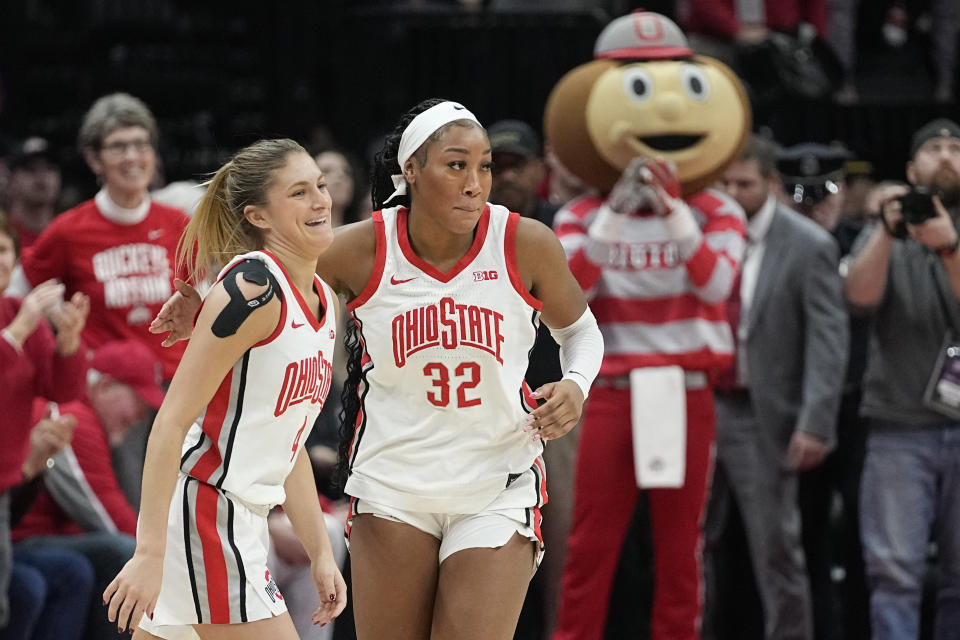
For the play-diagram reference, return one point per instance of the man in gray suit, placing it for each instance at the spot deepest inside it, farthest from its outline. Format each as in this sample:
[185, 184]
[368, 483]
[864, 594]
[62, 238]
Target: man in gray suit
[777, 407]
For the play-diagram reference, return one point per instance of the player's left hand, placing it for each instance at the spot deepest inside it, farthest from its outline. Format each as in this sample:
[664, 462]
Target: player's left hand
[805, 451]
[561, 411]
[331, 588]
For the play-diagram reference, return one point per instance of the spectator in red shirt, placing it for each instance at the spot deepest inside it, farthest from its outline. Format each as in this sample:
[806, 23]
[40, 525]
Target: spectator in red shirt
[82, 507]
[48, 592]
[119, 247]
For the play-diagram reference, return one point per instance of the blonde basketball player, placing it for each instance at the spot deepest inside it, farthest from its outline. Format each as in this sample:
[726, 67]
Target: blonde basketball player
[442, 444]
[227, 443]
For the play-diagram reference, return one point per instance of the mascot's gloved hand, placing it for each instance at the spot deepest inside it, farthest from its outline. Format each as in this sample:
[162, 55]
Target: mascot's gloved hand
[630, 193]
[681, 224]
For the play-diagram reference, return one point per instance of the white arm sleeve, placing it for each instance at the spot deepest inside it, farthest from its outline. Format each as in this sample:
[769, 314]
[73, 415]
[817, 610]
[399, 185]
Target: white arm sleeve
[581, 350]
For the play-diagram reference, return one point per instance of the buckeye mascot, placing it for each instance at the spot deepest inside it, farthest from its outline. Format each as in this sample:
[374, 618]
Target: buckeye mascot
[650, 125]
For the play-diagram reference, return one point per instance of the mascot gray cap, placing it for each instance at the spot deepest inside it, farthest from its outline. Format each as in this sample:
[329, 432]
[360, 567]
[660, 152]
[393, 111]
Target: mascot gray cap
[642, 35]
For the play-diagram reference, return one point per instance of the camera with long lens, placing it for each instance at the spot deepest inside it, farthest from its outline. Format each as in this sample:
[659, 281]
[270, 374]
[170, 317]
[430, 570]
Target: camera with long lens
[916, 207]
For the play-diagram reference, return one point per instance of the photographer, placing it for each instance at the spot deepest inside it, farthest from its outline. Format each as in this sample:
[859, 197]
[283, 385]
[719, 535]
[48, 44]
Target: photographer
[905, 271]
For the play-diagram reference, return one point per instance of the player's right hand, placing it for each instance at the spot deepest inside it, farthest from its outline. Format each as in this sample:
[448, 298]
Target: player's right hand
[176, 314]
[134, 591]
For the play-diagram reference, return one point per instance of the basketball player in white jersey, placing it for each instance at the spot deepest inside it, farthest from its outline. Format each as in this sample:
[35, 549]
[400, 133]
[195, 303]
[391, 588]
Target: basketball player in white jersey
[227, 443]
[442, 444]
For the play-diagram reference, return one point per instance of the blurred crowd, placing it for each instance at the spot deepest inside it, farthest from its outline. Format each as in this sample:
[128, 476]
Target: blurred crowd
[859, 515]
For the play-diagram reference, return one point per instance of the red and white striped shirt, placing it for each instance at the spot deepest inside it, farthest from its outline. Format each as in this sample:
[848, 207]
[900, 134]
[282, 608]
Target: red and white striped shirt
[655, 306]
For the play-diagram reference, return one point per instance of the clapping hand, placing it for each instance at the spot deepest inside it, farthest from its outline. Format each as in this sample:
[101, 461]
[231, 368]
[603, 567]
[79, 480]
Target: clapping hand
[68, 319]
[661, 178]
[631, 192]
[47, 438]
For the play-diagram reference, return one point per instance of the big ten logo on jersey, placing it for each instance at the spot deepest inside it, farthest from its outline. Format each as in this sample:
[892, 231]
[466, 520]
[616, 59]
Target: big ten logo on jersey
[307, 379]
[447, 325]
[639, 256]
[480, 276]
[133, 274]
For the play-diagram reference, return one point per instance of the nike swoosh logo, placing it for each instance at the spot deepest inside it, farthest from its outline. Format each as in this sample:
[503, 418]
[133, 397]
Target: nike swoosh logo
[459, 108]
[293, 324]
[154, 234]
[393, 280]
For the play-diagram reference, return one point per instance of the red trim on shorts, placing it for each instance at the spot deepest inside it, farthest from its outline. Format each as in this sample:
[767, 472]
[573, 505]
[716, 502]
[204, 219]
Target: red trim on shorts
[214, 563]
[404, 241]
[380, 261]
[510, 251]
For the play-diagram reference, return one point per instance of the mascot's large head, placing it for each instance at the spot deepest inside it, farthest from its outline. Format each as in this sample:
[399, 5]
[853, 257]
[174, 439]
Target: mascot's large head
[647, 94]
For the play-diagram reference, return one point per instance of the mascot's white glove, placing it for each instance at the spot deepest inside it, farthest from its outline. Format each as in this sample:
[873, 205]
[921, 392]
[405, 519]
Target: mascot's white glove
[681, 224]
[629, 194]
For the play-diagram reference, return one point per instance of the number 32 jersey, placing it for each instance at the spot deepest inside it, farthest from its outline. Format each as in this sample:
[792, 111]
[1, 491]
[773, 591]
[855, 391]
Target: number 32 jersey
[247, 438]
[443, 408]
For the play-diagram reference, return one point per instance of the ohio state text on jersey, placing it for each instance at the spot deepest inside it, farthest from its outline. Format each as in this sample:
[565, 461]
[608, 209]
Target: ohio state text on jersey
[441, 423]
[247, 439]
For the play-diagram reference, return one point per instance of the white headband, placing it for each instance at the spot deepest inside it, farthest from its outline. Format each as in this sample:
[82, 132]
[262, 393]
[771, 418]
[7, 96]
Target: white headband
[417, 132]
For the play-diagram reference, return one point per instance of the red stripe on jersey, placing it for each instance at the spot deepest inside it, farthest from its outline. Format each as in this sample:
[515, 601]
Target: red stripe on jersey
[721, 223]
[583, 206]
[212, 425]
[569, 229]
[379, 262]
[701, 264]
[510, 249]
[699, 360]
[214, 563]
[404, 241]
[307, 311]
[686, 306]
[584, 271]
[707, 200]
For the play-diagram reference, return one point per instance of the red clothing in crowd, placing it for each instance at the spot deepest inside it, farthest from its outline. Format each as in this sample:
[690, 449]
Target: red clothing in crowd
[92, 469]
[719, 17]
[126, 270]
[35, 371]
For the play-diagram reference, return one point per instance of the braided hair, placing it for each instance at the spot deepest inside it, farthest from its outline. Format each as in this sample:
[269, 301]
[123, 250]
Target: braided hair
[381, 186]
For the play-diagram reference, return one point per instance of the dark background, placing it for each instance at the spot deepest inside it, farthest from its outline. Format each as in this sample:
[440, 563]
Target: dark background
[219, 74]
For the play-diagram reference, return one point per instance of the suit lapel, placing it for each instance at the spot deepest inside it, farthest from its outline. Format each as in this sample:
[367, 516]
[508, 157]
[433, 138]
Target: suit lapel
[775, 256]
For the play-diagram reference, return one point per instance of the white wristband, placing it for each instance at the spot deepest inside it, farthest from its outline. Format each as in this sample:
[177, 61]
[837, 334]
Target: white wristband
[606, 224]
[581, 350]
[683, 228]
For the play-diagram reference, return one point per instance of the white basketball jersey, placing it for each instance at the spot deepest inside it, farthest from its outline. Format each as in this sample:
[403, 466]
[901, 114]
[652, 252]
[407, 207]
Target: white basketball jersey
[248, 437]
[443, 404]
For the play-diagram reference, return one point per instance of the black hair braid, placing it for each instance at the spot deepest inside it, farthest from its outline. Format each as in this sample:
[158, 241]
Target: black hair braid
[350, 402]
[385, 160]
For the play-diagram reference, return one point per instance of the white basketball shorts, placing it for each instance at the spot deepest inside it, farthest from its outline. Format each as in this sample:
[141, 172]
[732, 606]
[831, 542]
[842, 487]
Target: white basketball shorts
[515, 510]
[215, 565]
